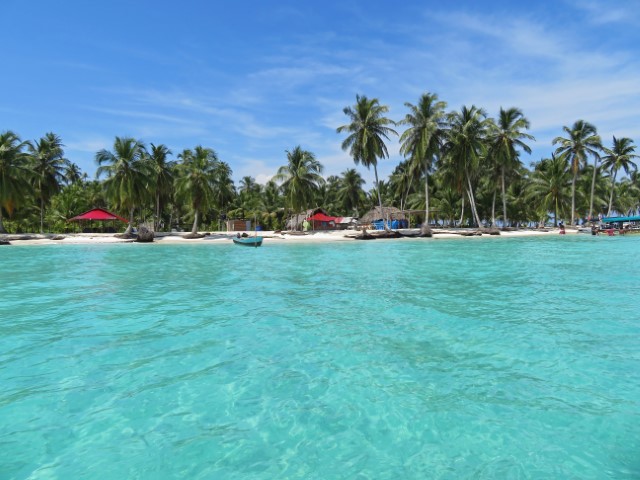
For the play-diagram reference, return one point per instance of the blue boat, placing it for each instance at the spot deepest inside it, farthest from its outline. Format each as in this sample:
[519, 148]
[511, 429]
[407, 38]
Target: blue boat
[248, 241]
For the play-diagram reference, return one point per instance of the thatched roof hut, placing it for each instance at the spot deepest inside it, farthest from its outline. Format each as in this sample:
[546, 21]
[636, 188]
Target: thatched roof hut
[387, 213]
[295, 221]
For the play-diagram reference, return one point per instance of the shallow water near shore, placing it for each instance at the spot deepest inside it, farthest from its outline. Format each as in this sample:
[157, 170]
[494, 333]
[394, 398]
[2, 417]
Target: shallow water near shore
[465, 358]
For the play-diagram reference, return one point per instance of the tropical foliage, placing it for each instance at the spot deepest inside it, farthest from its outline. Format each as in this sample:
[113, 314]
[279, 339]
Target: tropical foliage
[456, 166]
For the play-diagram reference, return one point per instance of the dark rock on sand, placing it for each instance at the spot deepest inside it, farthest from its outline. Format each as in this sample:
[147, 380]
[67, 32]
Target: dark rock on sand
[191, 236]
[145, 235]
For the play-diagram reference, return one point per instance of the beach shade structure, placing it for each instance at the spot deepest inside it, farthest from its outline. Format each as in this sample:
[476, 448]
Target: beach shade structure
[322, 221]
[98, 215]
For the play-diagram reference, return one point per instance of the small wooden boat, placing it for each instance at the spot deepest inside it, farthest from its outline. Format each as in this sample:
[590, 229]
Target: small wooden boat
[248, 241]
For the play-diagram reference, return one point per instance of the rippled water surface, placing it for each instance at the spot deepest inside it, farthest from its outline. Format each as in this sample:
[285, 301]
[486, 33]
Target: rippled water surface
[470, 358]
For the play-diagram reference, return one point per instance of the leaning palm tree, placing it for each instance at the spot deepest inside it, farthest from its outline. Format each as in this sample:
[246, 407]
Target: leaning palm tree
[126, 173]
[301, 177]
[49, 167]
[581, 141]
[196, 180]
[465, 147]
[505, 139]
[620, 156]
[14, 173]
[423, 140]
[161, 177]
[367, 131]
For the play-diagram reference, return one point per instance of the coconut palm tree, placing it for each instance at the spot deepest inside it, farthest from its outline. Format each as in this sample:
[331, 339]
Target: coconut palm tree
[73, 174]
[620, 156]
[127, 174]
[49, 167]
[581, 141]
[197, 179]
[351, 195]
[505, 139]
[300, 177]
[423, 140]
[549, 185]
[465, 147]
[368, 128]
[14, 173]
[161, 176]
[224, 189]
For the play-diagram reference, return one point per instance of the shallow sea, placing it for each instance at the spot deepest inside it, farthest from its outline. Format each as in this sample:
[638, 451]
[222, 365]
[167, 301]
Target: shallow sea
[412, 359]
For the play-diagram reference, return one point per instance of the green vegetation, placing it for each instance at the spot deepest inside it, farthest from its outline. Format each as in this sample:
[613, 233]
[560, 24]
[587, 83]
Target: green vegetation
[451, 160]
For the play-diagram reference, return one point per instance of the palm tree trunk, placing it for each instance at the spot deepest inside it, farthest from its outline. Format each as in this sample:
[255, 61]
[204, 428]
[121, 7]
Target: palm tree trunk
[593, 186]
[493, 208]
[472, 201]
[156, 224]
[613, 186]
[573, 198]
[194, 228]
[426, 196]
[504, 199]
[462, 210]
[2, 229]
[41, 214]
[130, 226]
[375, 171]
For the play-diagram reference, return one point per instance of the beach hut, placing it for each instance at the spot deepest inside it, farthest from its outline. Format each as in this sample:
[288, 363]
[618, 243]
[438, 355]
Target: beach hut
[97, 215]
[376, 218]
[321, 221]
[343, 223]
[296, 221]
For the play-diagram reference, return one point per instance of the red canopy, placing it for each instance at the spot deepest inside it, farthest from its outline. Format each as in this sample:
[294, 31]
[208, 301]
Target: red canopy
[98, 214]
[321, 217]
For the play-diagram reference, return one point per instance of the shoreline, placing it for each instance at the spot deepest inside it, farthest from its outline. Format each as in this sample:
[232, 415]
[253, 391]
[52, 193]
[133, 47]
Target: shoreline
[269, 236]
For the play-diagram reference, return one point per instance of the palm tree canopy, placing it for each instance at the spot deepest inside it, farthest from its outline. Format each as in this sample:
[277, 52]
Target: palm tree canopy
[125, 170]
[300, 178]
[581, 141]
[465, 142]
[197, 179]
[48, 164]
[367, 131]
[14, 171]
[507, 136]
[421, 142]
[620, 156]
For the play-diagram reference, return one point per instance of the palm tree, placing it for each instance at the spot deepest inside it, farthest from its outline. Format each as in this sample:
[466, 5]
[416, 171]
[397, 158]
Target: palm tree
[581, 141]
[423, 140]
[161, 177]
[618, 157]
[49, 167]
[300, 178]
[14, 173]
[73, 174]
[367, 131]
[196, 182]
[126, 172]
[350, 193]
[465, 147]
[549, 185]
[505, 139]
[224, 189]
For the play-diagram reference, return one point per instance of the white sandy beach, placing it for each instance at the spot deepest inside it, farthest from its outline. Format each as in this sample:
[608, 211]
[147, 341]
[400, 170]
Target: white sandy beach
[269, 236]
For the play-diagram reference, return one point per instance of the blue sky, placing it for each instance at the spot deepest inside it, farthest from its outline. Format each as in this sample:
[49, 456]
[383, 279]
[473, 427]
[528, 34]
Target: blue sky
[252, 79]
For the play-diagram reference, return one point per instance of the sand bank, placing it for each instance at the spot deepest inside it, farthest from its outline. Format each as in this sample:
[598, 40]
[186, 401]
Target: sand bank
[269, 237]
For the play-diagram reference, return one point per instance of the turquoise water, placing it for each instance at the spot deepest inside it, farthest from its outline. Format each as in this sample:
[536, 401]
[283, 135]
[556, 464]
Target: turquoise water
[469, 358]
